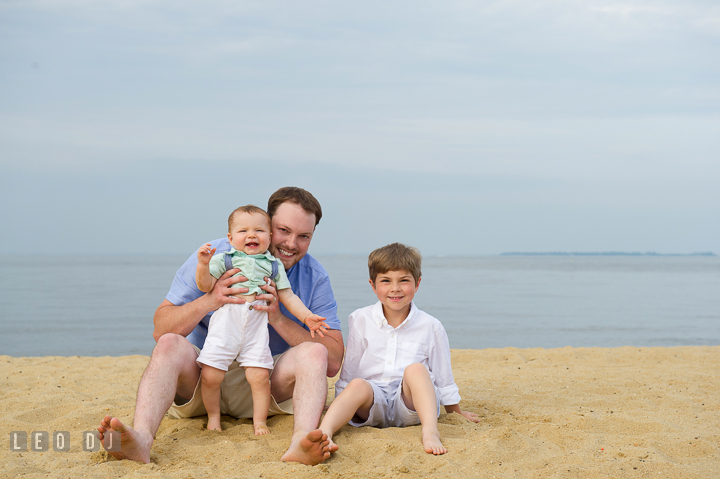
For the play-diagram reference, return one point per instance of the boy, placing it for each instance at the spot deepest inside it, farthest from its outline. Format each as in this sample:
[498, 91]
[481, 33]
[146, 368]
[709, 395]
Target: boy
[397, 368]
[239, 331]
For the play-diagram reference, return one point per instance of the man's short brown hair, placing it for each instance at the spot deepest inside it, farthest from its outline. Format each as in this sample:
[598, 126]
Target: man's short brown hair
[249, 209]
[395, 257]
[300, 197]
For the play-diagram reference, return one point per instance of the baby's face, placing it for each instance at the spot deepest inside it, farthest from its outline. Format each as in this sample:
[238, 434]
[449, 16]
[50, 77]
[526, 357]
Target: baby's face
[250, 233]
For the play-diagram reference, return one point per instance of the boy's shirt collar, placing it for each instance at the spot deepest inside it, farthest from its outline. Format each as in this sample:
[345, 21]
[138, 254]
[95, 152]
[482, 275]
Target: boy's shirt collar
[266, 254]
[380, 320]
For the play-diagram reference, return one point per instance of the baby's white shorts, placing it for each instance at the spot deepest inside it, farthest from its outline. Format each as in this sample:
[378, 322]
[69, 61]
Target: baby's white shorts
[237, 331]
[389, 409]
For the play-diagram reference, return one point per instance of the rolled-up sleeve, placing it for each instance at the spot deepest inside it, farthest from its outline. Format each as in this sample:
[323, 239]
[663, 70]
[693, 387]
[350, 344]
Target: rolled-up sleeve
[440, 366]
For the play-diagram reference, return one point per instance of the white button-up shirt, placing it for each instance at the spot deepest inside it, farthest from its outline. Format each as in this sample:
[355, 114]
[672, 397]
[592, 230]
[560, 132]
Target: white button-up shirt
[376, 351]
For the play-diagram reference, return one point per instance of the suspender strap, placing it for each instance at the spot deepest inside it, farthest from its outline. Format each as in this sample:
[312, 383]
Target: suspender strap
[274, 269]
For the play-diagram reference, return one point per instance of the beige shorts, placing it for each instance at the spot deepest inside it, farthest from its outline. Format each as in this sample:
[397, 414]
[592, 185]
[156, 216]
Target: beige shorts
[235, 397]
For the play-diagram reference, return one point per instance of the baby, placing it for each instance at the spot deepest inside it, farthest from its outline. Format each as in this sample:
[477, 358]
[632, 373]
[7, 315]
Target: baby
[240, 331]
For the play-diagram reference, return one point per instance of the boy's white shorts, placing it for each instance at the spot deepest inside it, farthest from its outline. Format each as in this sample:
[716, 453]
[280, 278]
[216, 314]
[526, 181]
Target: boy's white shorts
[237, 332]
[389, 409]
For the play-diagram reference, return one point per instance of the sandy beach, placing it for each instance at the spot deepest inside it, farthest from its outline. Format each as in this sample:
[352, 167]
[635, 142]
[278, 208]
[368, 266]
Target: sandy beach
[566, 413]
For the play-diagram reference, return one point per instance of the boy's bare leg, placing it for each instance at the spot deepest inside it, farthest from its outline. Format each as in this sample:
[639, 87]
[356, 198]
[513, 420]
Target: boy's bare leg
[418, 393]
[356, 399]
[259, 381]
[300, 374]
[172, 369]
[211, 380]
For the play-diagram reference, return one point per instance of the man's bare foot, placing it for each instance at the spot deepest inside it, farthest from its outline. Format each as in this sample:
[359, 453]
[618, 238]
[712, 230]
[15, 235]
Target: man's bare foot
[134, 445]
[311, 448]
[261, 428]
[432, 444]
[214, 424]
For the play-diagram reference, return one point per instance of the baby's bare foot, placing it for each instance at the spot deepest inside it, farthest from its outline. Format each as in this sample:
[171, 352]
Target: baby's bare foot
[432, 444]
[261, 429]
[214, 424]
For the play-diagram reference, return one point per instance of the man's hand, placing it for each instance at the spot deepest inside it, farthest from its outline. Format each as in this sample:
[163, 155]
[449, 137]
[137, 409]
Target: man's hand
[205, 253]
[271, 297]
[222, 293]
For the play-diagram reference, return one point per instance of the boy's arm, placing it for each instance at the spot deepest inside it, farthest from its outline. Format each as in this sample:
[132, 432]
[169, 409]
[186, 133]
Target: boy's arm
[204, 280]
[298, 309]
[470, 416]
[353, 354]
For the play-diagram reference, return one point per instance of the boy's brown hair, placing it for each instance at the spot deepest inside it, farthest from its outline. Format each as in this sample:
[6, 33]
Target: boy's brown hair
[298, 196]
[395, 257]
[249, 209]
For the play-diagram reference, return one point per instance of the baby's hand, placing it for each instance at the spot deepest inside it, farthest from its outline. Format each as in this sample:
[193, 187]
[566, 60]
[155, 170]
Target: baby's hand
[316, 324]
[205, 253]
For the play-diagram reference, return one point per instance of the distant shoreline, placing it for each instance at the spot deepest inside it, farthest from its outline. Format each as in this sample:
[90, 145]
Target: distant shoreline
[605, 253]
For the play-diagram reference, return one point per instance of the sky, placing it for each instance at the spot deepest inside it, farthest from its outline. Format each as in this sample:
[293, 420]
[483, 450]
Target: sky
[462, 128]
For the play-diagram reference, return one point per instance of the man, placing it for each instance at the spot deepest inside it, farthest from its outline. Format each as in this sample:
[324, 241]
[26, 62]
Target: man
[298, 381]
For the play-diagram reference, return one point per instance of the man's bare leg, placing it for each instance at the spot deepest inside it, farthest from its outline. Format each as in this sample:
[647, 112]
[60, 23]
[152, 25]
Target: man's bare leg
[300, 374]
[259, 381]
[172, 369]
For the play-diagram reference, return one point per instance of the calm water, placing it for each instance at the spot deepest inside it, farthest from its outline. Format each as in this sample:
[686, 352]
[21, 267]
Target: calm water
[103, 305]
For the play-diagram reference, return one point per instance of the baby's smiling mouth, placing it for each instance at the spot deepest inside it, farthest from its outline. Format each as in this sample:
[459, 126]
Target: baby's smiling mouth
[252, 245]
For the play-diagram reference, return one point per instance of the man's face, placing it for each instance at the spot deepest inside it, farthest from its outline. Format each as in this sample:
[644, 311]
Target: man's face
[292, 229]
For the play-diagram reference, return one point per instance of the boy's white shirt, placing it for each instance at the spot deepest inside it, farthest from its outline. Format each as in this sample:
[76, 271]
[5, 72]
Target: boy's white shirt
[376, 351]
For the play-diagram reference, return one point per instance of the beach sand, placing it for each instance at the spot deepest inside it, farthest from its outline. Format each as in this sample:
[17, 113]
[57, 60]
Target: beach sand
[557, 413]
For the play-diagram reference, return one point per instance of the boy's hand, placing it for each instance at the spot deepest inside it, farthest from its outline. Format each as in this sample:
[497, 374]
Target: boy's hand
[316, 324]
[205, 253]
[470, 416]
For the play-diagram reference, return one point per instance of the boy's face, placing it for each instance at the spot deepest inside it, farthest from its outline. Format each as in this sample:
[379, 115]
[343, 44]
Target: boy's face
[250, 233]
[395, 289]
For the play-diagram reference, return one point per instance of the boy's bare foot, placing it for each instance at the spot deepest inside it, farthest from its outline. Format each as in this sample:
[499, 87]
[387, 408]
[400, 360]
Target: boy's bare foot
[332, 447]
[261, 428]
[134, 445]
[311, 448]
[214, 424]
[432, 444]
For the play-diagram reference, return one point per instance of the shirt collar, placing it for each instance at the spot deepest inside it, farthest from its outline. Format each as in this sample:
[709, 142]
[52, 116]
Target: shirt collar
[380, 320]
[266, 254]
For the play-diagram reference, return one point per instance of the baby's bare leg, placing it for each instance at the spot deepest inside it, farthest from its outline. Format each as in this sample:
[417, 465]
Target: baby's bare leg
[418, 393]
[211, 380]
[356, 398]
[259, 381]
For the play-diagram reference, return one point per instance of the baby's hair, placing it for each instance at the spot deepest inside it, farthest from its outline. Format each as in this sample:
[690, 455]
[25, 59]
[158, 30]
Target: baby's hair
[395, 257]
[249, 209]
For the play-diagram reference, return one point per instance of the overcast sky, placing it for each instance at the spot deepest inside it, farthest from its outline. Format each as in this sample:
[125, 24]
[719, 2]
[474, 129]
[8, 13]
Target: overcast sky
[458, 127]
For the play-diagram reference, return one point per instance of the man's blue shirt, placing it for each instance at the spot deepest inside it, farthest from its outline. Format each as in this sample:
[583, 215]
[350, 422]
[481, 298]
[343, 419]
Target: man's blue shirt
[308, 279]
